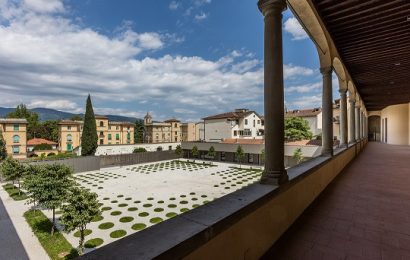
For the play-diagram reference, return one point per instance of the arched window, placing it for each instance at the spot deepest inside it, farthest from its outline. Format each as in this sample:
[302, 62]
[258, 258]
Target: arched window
[101, 123]
[69, 138]
[16, 139]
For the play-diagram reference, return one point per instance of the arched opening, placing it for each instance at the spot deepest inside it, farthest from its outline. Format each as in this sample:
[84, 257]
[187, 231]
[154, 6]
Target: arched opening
[374, 128]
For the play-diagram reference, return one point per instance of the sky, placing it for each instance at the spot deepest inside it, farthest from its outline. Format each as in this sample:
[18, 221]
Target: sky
[173, 58]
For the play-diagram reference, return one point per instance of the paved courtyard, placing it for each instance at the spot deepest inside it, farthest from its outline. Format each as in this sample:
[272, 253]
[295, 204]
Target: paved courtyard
[138, 196]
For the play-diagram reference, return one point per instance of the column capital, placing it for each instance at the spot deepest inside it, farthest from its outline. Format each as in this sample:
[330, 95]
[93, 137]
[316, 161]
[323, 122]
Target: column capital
[269, 6]
[343, 92]
[352, 99]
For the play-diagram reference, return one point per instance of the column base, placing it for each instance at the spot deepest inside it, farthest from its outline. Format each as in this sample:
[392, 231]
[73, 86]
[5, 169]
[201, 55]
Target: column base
[274, 178]
[327, 152]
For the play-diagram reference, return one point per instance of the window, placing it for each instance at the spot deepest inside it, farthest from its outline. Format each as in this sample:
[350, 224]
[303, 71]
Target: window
[69, 128]
[254, 122]
[259, 122]
[117, 136]
[69, 138]
[235, 133]
[175, 125]
[16, 127]
[170, 147]
[128, 136]
[16, 149]
[101, 141]
[247, 132]
[101, 134]
[246, 121]
[101, 123]
[176, 133]
[117, 127]
[69, 147]
[16, 139]
[109, 127]
[109, 136]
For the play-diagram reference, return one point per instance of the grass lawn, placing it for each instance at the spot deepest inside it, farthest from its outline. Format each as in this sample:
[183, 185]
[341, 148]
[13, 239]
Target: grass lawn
[13, 191]
[56, 246]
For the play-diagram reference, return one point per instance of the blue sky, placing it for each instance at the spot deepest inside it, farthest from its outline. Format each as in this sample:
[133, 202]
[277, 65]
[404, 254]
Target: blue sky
[185, 59]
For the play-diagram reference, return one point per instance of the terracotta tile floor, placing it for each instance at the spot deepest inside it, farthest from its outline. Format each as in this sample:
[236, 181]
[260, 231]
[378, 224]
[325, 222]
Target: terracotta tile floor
[363, 214]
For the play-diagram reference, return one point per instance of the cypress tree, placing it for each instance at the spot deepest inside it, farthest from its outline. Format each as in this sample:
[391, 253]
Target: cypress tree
[89, 139]
[3, 151]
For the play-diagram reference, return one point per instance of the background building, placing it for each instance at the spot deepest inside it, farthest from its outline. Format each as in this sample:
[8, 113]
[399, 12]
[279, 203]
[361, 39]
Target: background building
[15, 135]
[35, 142]
[169, 131]
[69, 133]
[242, 123]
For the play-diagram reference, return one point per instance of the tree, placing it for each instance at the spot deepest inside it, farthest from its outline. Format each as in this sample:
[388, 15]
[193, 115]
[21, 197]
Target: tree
[12, 170]
[298, 155]
[3, 151]
[78, 211]
[240, 154]
[42, 147]
[212, 152]
[77, 118]
[52, 185]
[263, 155]
[139, 150]
[31, 182]
[31, 117]
[89, 138]
[195, 152]
[178, 150]
[296, 128]
[139, 131]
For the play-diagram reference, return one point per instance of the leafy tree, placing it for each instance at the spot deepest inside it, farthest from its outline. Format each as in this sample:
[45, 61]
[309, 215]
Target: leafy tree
[296, 128]
[3, 151]
[77, 118]
[195, 152]
[212, 152]
[31, 182]
[89, 138]
[263, 155]
[31, 117]
[178, 150]
[49, 130]
[298, 155]
[52, 184]
[12, 170]
[139, 150]
[78, 211]
[240, 154]
[139, 131]
[42, 147]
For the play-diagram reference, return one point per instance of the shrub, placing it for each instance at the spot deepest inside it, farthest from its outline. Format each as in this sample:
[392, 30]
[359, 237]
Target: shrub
[118, 233]
[92, 243]
[139, 150]
[116, 213]
[138, 226]
[122, 205]
[126, 219]
[42, 147]
[106, 208]
[155, 220]
[158, 209]
[106, 225]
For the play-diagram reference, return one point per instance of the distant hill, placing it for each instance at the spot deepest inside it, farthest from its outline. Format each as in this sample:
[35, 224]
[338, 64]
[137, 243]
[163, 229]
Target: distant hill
[52, 114]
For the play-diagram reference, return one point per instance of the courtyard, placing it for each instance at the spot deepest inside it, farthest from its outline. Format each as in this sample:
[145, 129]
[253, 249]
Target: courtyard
[136, 197]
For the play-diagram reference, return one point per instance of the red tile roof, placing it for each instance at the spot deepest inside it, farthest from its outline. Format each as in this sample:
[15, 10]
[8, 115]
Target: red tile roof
[230, 115]
[36, 141]
[242, 141]
[303, 113]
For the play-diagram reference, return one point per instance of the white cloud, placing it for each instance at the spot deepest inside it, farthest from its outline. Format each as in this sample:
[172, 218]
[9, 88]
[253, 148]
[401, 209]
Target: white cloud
[174, 5]
[305, 102]
[304, 88]
[293, 27]
[44, 6]
[184, 111]
[50, 58]
[201, 16]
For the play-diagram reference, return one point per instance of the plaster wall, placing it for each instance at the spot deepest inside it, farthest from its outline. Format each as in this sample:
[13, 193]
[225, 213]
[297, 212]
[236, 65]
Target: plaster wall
[398, 125]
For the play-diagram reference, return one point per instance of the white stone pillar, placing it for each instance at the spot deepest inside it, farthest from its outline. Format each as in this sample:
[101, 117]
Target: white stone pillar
[352, 138]
[274, 172]
[343, 118]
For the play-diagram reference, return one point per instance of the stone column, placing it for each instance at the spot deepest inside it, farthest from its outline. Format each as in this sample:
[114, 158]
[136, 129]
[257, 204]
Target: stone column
[327, 112]
[357, 128]
[274, 172]
[352, 138]
[343, 118]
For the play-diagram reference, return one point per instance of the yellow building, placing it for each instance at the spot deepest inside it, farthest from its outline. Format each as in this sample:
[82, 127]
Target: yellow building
[108, 133]
[14, 133]
[169, 131]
